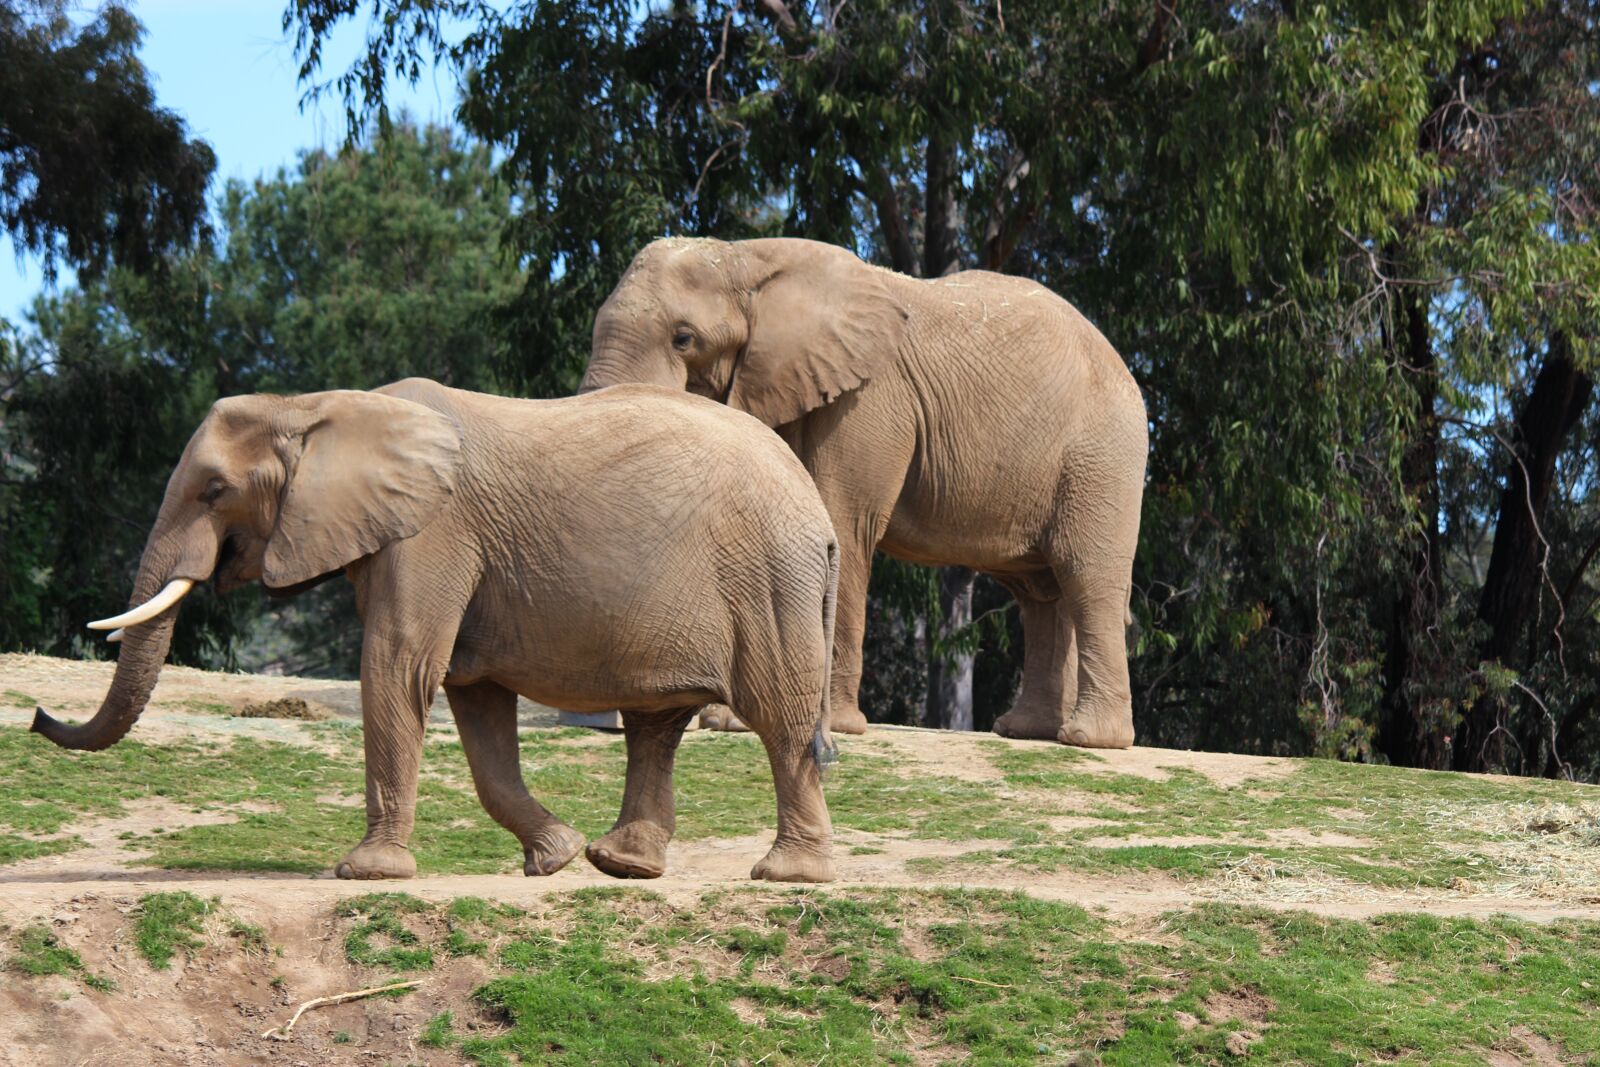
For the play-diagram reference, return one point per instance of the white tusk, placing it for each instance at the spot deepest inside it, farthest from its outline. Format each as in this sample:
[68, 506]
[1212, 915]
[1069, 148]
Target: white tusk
[114, 636]
[174, 592]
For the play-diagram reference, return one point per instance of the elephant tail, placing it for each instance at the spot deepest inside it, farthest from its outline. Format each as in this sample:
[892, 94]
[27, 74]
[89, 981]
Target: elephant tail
[823, 749]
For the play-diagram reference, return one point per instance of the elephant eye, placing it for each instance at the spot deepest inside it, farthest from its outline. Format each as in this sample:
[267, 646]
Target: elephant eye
[213, 490]
[682, 340]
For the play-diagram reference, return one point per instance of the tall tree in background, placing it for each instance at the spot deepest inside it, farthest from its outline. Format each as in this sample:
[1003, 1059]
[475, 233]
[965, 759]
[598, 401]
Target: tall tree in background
[1337, 243]
[92, 171]
[351, 270]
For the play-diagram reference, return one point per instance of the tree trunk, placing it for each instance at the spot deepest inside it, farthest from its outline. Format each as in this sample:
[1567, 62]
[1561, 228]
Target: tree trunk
[941, 252]
[1406, 737]
[950, 677]
[949, 680]
[1516, 564]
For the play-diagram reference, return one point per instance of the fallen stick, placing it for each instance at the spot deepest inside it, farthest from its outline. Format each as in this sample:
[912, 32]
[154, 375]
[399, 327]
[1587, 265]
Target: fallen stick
[282, 1034]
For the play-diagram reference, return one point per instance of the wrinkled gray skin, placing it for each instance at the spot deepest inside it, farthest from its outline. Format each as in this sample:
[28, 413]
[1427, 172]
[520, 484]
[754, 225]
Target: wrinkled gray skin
[975, 419]
[637, 548]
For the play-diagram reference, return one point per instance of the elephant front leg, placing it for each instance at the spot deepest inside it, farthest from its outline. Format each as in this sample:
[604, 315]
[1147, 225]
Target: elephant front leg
[393, 714]
[636, 847]
[486, 716]
[849, 630]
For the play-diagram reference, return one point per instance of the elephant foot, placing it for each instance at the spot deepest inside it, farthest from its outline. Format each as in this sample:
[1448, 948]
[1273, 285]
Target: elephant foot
[1112, 728]
[721, 717]
[638, 850]
[375, 859]
[553, 850]
[796, 863]
[844, 717]
[1029, 724]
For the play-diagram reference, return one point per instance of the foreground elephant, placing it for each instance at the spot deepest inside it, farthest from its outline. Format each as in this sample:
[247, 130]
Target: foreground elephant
[974, 419]
[637, 548]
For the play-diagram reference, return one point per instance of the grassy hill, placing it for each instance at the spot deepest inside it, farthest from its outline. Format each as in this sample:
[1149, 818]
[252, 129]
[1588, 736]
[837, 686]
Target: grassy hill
[167, 901]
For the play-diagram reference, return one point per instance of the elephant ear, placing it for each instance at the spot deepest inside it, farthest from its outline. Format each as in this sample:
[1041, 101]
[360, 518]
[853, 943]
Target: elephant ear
[821, 323]
[364, 470]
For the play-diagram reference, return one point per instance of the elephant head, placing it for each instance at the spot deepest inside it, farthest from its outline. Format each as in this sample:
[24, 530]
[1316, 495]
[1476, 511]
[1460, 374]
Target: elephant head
[774, 327]
[281, 490]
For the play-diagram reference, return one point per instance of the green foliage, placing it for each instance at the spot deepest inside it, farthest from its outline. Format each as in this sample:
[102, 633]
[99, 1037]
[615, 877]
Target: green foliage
[92, 171]
[169, 922]
[1334, 242]
[348, 271]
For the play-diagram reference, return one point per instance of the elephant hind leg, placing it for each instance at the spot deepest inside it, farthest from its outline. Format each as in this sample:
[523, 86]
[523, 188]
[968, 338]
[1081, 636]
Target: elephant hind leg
[486, 717]
[1098, 602]
[1049, 689]
[636, 847]
[803, 850]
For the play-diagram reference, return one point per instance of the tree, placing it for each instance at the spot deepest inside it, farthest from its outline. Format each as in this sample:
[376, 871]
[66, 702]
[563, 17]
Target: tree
[355, 269]
[1348, 250]
[91, 170]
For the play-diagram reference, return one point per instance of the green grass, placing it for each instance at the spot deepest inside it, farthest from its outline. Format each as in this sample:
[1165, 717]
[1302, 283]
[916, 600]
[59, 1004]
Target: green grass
[18, 700]
[618, 975]
[724, 789]
[1394, 812]
[440, 1031]
[40, 952]
[167, 923]
[380, 936]
[893, 977]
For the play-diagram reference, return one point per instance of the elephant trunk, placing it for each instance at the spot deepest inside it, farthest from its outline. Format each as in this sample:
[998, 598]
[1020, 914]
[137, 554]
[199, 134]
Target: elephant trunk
[144, 650]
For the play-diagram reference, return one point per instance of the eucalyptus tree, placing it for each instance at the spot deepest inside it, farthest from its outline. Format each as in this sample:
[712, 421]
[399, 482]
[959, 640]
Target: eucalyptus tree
[351, 269]
[1348, 249]
[92, 170]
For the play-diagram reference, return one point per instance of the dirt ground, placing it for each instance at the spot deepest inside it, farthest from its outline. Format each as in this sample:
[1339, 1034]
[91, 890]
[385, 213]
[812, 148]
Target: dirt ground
[208, 1009]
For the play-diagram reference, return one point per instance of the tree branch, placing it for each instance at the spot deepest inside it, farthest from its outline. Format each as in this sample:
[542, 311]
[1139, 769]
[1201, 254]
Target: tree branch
[1008, 218]
[880, 187]
[779, 15]
[1156, 39]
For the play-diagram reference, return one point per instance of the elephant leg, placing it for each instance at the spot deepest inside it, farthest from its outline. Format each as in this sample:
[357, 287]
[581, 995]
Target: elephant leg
[849, 630]
[394, 712]
[636, 847]
[720, 717]
[1049, 689]
[803, 850]
[1097, 600]
[486, 716]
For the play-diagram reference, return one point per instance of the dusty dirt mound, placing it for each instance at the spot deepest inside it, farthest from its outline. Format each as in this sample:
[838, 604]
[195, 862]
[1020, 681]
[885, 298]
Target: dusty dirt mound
[285, 708]
[212, 1006]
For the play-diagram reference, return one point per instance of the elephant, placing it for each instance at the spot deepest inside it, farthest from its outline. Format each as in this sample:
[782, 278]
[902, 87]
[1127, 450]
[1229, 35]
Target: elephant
[636, 548]
[974, 419]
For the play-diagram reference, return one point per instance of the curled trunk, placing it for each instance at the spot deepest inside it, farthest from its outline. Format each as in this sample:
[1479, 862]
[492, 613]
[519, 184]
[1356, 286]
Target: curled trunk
[144, 650]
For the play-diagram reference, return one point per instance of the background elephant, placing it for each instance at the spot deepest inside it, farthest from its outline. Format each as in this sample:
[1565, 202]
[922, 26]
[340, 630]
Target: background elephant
[637, 549]
[974, 419]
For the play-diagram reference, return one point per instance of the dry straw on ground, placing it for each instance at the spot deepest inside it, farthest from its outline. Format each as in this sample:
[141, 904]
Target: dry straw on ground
[1529, 848]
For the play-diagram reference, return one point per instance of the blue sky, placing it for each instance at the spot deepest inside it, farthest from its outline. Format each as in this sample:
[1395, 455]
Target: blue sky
[227, 68]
